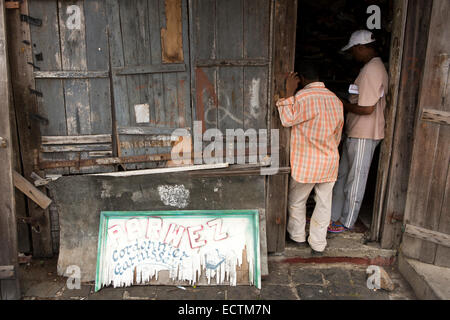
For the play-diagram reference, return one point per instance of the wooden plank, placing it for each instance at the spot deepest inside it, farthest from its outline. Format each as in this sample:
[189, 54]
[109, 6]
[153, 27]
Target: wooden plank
[230, 29]
[7, 273]
[396, 55]
[77, 148]
[70, 74]
[154, 27]
[414, 52]
[46, 43]
[131, 70]
[257, 30]
[97, 55]
[206, 63]
[437, 116]
[163, 170]
[99, 138]
[144, 57]
[283, 41]
[130, 39]
[146, 131]
[119, 85]
[103, 161]
[442, 252]
[428, 235]
[23, 231]
[230, 84]
[31, 191]
[172, 33]
[9, 289]
[183, 78]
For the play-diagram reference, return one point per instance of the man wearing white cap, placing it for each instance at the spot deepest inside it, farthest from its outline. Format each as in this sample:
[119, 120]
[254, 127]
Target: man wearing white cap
[364, 129]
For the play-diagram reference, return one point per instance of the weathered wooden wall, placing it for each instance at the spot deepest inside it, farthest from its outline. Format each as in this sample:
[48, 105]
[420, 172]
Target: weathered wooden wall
[9, 280]
[100, 85]
[428, 194]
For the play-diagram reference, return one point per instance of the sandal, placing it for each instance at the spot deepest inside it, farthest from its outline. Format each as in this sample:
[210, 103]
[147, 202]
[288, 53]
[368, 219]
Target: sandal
[336, 228]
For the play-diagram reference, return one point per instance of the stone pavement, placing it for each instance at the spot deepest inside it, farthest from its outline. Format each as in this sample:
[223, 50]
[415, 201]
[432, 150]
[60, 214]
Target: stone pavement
[286, 281]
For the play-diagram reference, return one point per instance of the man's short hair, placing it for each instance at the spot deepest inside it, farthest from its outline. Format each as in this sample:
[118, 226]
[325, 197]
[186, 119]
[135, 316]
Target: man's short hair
[309, 70]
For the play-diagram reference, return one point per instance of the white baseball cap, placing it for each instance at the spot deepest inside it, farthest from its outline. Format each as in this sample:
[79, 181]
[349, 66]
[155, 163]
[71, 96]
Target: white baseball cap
[359, 37]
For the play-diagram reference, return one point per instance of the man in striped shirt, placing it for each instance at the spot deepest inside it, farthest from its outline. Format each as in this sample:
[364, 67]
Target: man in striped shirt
[316, 118]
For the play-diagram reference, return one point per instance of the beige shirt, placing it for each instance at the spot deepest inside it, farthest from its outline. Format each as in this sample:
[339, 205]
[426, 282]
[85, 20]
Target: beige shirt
[372, 84]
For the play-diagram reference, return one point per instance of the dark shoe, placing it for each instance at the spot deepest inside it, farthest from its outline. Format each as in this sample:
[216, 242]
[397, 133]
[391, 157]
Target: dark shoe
[315, 253]
[301, 245]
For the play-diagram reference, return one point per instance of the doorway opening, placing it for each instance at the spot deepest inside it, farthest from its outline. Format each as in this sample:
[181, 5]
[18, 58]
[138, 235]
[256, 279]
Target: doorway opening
[323, 29]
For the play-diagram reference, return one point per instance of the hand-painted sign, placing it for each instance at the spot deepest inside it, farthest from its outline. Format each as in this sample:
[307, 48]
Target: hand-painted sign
[133, 247]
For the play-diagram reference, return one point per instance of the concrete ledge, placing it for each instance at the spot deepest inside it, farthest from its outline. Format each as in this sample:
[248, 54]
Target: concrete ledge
[342, 248]
[428, 281]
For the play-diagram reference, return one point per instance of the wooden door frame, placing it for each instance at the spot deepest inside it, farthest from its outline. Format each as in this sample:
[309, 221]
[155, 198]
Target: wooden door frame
[9, 281]
[384, 166]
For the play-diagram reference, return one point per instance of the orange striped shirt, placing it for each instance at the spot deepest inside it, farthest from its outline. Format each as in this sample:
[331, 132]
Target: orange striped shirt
[316, 116]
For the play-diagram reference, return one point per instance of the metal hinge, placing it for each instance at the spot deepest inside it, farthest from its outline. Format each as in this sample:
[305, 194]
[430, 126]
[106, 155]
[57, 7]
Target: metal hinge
[35, 92]
[31, 20]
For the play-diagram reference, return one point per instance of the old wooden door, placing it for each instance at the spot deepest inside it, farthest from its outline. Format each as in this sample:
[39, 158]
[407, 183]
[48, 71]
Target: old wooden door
[427, 213]
[150, 74]
[231, 62]
[71, 70]
[112, 80]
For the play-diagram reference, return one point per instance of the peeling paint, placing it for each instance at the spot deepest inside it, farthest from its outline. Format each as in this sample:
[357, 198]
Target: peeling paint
[174, 195]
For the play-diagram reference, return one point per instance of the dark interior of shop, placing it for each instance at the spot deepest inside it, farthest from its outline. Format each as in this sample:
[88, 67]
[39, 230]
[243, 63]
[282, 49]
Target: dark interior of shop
[323, 29]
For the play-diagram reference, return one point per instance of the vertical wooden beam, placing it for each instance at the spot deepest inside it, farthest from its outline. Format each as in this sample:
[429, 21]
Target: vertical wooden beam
[283, 58]
[20, 53]
[414, 51]
[395, 63]
[9, 289]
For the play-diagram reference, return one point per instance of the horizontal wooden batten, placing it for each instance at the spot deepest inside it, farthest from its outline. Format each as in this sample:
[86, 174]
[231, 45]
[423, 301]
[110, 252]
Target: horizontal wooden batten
[154, 68]
[30, 191]
[231, 63]
[437, 116]
[100, 138]
[7, 273]
[76, 148]
[147, 131]
[70, 74]
[428, 235]
[103, 161]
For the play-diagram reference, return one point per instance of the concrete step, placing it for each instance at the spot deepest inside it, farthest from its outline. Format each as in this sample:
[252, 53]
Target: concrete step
[347, 247]
[428, 281]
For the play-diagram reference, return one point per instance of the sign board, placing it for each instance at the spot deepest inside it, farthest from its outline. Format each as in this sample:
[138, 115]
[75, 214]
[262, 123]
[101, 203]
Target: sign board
[187, 246]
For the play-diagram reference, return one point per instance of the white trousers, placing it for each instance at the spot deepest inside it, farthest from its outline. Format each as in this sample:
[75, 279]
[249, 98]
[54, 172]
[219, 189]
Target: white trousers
[298, 195]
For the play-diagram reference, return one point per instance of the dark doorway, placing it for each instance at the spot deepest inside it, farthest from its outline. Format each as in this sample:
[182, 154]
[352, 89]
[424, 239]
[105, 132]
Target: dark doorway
[323, 28]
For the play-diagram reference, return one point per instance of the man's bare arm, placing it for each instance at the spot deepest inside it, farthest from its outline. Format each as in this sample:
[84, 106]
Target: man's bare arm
[355, 108]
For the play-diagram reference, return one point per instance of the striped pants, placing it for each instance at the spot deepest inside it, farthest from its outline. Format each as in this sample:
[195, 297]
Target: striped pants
[348, 192]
